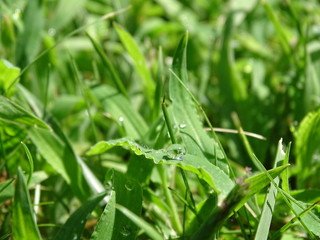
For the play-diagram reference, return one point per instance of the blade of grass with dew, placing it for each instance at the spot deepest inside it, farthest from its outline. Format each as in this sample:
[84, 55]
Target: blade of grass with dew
[129, 195]
[13, 113]
[105, 225]
[270, 200]
[23, 222]
[30, 160]
[214, 176]
[149, 230]
[139, 61]
[185, 116]
[108, 64]
[121, 111]
[8, 74]
[73, 227]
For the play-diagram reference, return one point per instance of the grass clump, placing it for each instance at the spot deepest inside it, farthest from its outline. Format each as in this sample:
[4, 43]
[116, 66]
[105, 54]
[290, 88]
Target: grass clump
[117, 119]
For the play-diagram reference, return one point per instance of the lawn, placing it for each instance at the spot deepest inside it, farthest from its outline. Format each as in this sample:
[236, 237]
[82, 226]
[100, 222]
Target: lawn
[163, 119]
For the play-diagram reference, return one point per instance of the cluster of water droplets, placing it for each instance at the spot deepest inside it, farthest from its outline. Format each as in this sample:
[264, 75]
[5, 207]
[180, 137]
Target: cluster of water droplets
[175, 152]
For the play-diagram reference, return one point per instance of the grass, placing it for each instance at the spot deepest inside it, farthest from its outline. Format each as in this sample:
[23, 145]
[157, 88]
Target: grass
[159, 119]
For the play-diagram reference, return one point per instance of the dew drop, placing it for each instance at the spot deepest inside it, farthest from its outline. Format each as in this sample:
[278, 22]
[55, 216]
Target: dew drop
[52, 31]
[125, 231]
[129, 185]
[17, 14]
[121, 119]
[182, 125]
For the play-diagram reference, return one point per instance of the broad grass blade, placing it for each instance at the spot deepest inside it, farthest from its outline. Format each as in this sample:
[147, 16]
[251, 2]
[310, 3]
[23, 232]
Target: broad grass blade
[104, 227]
[129, 195]
[185, 117]
[73, 227]
[24, 224]
[8, 75]
[149, 230]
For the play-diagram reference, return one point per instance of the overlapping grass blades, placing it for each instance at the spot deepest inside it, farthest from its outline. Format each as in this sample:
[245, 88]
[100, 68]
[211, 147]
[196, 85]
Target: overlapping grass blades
[24, 225]
[185, 116]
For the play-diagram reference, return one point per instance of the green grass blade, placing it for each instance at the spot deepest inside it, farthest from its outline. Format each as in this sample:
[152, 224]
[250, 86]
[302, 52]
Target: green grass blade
[107, 16]
[175, 155]
[268, 206]
[286, 196]
[24, 224]
[108, 64]
[235, 199]
[30, 160]
[104, 227]
[73, 227]
[306, 148]
[129, 195]
[149, 230]
[8, 75]
[219, 215]
[62, 158]
[279, 29]
[13, 113]
[29, 41]
[6, 190]
[65, 12]
[139, 60]
[121, 111]
[185, 117]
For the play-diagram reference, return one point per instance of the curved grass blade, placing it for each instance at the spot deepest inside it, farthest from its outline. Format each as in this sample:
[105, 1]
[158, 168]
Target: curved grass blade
[13, 113]
[30, 160]
[73, 227]
[149, 230]
[24, 224]
[104, 227]
[6, 190]
[174, 154]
